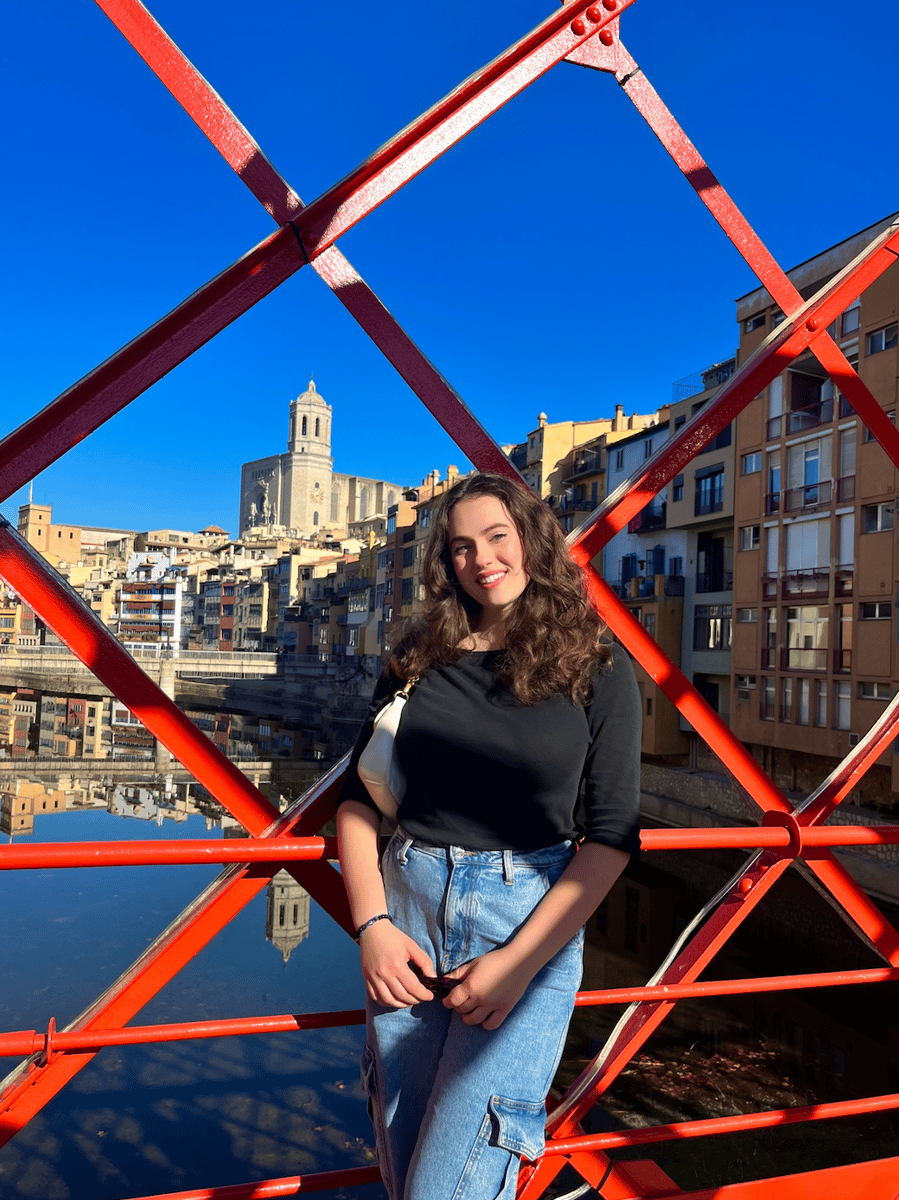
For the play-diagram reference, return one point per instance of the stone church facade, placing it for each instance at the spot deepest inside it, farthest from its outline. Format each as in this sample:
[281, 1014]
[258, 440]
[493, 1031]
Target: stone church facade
[299, 492]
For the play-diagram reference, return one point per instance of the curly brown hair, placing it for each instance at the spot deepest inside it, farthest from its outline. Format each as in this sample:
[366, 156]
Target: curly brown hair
[553, 631]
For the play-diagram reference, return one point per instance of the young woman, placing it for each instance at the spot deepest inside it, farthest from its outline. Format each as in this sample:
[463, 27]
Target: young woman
[518, 708]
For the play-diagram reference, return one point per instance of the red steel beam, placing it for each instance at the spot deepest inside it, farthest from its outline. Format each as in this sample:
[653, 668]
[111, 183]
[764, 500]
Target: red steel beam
[292, 1185]
[700, 177]
[243, 154]
[110, 387]
[143, 854]
[646, 1135]
[197, 850]
[25, 1042]
[29, 1041]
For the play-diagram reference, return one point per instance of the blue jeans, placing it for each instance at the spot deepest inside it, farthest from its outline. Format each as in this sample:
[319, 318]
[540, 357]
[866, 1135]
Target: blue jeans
[455, 1107]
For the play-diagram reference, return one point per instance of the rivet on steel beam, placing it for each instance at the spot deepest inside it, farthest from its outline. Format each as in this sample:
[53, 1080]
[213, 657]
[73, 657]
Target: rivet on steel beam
[578, 26]
[812, 324]
[606, 37]
[611, 5]
[746, 885]
[594, 13]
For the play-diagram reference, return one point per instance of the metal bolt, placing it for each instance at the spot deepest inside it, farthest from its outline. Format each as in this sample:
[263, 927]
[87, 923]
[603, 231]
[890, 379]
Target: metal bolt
[594, 13]
[813, 324]
[606, 37]
[746, 884]
[578, 27]
[611, 5]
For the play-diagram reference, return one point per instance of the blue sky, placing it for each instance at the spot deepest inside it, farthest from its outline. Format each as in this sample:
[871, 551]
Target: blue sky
[554, 260]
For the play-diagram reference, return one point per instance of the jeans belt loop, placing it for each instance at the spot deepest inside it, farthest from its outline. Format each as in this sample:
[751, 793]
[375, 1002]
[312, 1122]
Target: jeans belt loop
[508, 869]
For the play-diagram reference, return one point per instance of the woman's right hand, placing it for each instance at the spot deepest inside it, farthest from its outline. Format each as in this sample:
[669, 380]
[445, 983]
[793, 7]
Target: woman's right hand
[386, 955]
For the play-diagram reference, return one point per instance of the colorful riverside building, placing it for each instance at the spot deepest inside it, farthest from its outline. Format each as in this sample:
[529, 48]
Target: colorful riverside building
[815, 568]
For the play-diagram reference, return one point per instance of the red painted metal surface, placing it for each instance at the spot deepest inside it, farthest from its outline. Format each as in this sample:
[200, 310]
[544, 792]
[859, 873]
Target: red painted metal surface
[588, 35]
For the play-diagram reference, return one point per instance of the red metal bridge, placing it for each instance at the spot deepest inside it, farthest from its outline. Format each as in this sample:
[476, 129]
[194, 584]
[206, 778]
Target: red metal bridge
[307, 236]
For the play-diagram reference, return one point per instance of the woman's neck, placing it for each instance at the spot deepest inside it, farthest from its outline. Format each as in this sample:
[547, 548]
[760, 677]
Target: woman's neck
[487, 636]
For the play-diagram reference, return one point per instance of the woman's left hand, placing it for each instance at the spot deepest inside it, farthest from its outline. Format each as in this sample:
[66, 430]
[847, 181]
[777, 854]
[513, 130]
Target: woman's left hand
[487, 988]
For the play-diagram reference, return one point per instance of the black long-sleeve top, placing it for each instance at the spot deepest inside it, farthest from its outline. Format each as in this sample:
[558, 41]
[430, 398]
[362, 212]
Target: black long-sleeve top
[486, 772]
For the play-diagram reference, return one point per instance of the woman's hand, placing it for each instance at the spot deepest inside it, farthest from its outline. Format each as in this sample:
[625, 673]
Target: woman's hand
[488, 988]
[386, 954]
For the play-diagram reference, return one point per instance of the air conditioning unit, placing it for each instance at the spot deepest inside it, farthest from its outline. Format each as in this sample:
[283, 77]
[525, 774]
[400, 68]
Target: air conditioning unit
[853, 739]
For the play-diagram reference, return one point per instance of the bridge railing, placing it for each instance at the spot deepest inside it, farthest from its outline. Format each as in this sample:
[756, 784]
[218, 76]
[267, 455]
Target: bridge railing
[587, 34]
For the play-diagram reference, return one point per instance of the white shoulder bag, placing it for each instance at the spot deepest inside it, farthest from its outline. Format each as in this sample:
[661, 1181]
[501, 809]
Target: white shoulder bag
[379, 768]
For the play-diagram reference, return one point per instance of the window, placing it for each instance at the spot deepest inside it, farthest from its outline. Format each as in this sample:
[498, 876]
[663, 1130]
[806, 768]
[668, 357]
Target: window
[752, 323]
[265, 730]
[750, 537]
[649, 706]
[619, 460]
[745, 684]
[874, 691]
[751, 463]
[877, 610]
[649, 624]
[877, 517]
[406, 597]
[677, 487]
[409, 556]
[304, 427]
[647, 448]
[711, 627]
[803, 709]
[679, 421]
[768, 693]
[747, 616]
[807, 638]
[777, 318]
[675, 565]
[786, 698]
[882, 339]
[709, 490]
[850, 319]
[841, 718]
[821, 702]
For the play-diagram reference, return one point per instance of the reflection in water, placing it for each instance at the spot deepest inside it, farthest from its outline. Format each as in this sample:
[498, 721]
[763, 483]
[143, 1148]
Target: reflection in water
[148, 1119]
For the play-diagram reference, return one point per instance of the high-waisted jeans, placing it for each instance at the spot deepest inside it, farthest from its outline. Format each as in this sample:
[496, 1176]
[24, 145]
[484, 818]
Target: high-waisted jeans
[455, 1107]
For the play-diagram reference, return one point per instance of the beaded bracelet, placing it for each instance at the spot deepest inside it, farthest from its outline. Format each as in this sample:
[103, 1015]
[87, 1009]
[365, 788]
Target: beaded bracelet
[371, 921]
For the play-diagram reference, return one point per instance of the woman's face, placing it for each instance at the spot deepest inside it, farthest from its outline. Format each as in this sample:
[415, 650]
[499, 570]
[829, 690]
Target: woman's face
[486, 551]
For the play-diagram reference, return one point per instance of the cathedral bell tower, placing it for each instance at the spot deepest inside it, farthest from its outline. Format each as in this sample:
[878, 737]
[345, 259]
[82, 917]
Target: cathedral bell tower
[309, 466]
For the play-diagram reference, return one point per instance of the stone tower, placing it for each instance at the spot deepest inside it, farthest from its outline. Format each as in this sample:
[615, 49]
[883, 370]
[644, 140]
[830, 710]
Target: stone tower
[286, 913]
[306, 479]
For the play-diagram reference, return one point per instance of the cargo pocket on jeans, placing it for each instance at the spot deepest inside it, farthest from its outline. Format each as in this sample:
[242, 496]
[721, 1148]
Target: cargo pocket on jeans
[518, 1125]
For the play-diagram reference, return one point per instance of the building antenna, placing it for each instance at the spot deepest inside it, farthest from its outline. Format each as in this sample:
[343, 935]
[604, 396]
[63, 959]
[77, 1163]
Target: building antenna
[31, 491]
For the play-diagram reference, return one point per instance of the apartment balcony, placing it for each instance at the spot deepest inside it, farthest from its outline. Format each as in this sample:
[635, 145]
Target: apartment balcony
[812, 495]
[648, 518]
[797, 658]
[810, 583]
[714, 581]
[588, 464]
[798, 420]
